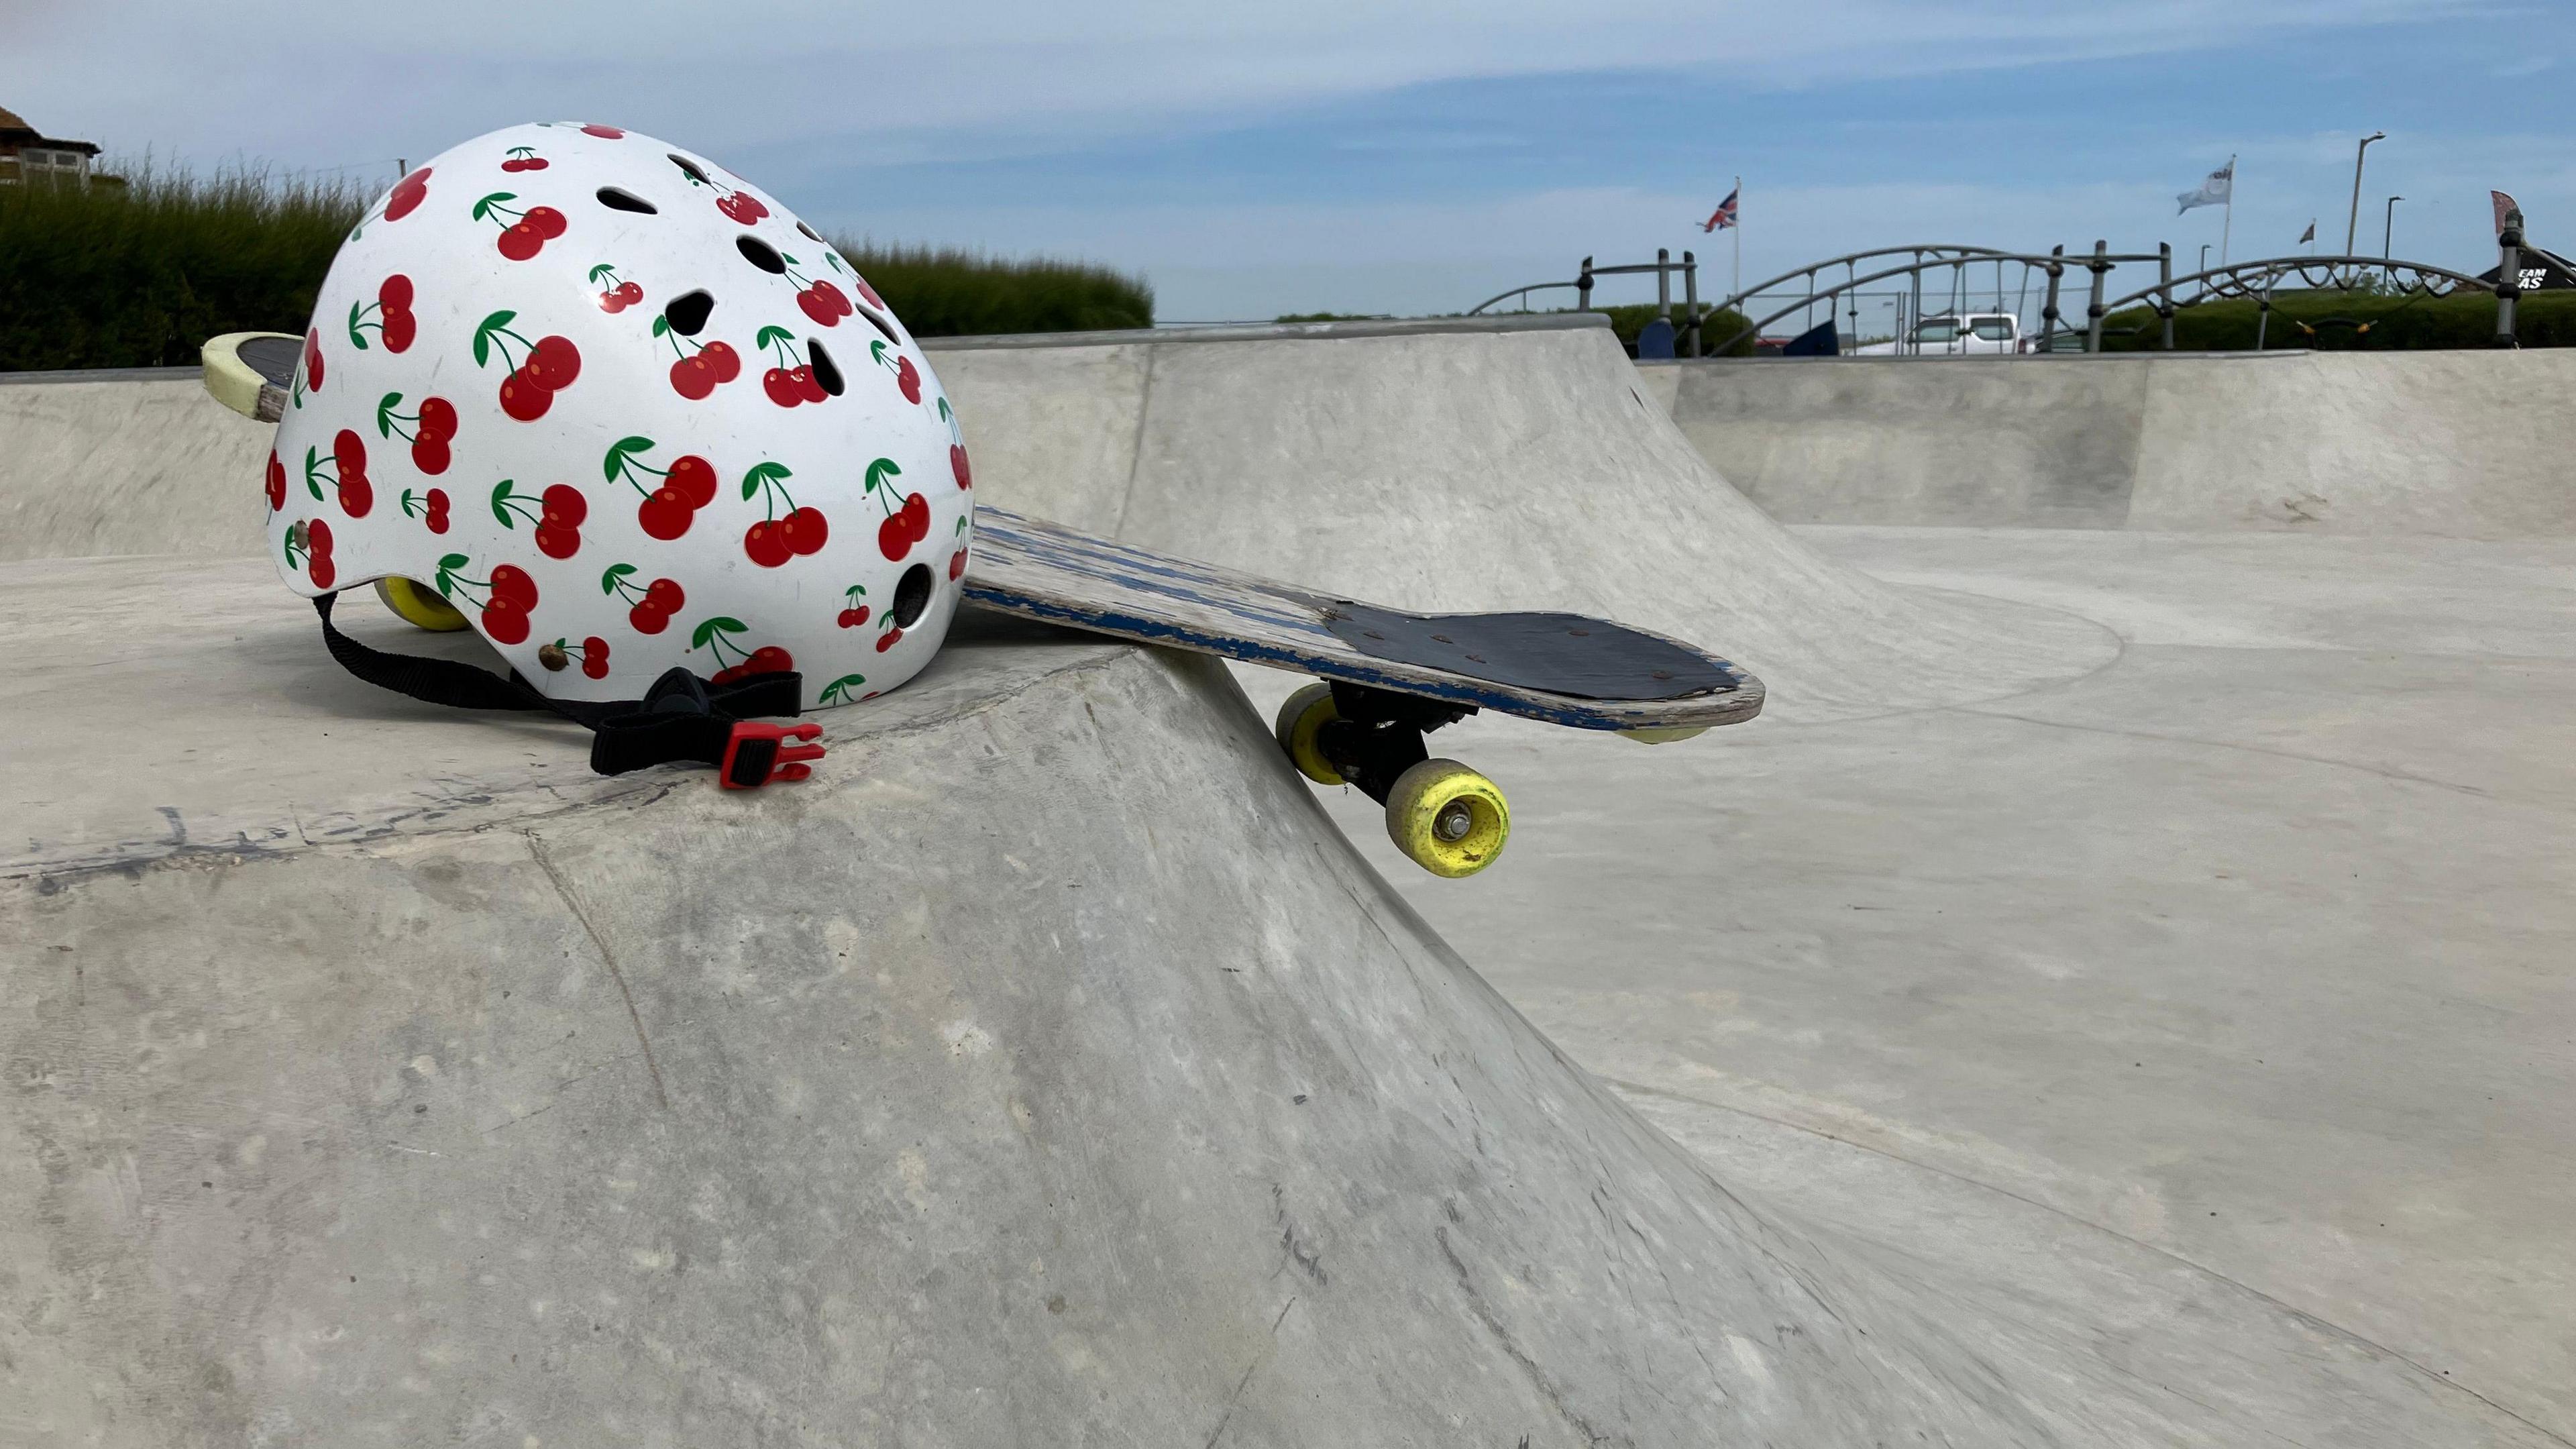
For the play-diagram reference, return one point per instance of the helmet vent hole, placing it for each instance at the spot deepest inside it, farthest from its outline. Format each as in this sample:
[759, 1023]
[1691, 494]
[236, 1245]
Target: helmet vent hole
[810, 233]
[688, 312]
[911, 595]
[618, 199]
[760, 254]
[825, 372]
[696, 172]
[878, 323]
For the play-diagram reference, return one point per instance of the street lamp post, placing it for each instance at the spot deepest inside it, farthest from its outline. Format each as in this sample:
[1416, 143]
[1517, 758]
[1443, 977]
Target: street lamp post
[2353, 227]
[2388, 226]
[2204, 256]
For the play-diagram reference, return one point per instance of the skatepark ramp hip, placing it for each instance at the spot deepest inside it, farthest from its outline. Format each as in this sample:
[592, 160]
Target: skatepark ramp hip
[2463, 444]
[1451, 466]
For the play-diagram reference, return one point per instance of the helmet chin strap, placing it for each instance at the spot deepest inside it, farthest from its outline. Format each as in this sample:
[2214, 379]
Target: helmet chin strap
[681, 718]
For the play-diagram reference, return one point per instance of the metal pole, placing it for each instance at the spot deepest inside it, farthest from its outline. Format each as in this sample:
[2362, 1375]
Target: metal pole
[2164, 288]
[2358, 152]
[1583, 287]
[2508, 277]
[2093, 312]
[1690, 298]
[2204, 260]
[2048, 310]
[1914, 329]
[2228, 226]
[1735, 279]
[2388, 226]
[1664, 283]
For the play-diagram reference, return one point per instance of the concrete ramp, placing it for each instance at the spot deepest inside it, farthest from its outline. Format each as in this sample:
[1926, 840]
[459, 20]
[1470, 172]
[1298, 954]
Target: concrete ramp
[125, 462]
[1458, 466]
[1045, 1070]
[2461, 444]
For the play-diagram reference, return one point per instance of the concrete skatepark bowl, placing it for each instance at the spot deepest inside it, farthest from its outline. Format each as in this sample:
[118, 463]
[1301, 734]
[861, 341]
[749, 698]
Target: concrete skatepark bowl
[383, 1077]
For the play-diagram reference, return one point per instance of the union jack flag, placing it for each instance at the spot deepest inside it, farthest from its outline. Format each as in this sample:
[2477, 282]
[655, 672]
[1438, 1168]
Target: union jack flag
[1724, 216]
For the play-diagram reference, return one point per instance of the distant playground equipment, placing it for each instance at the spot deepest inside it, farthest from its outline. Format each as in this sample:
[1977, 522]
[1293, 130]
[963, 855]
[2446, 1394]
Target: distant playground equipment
[1962, 317]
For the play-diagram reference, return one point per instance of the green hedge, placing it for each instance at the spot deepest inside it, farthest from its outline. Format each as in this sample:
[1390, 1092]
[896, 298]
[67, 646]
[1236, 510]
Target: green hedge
[2332, 321]
[140, 275]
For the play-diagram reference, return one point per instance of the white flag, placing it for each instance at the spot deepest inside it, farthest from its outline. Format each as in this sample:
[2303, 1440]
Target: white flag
[2214, 191]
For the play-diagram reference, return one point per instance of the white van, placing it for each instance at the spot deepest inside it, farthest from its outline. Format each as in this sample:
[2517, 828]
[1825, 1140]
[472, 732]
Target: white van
[1973, 334]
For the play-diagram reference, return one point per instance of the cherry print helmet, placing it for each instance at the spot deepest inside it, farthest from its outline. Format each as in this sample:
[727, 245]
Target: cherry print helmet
[621, 413]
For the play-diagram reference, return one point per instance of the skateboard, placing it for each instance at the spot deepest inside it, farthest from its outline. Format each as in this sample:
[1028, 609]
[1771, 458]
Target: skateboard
[1384, 678]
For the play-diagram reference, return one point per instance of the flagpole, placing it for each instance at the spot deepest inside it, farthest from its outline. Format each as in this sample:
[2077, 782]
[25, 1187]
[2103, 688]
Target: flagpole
[1735, 278]
[2229, 225]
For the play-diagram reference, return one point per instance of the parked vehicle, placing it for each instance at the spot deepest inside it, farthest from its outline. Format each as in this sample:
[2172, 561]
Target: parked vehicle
[1973, 334]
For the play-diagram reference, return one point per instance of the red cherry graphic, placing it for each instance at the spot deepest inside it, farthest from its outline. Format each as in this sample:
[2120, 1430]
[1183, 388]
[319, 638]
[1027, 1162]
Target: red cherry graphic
[728, 363]
[908, 378]
[407, 194]
[524, 398]
[276, 484]
[520, 241]
[832, 295]
[695, 480]
[505, 620]
[768, 659]
[805, 530]
[867, 291]
[741, 207]
[853, 618]
[648, 620]
[782, 388]
[666, 595]
[594, 657]
[957, 565]
[916, 517]
[395, 293]
[565, 506]
[610, 133]
[437, 418]
[765, 543]
[357, 495]
[401, 328]
[350, 452]
[818, 306]
[548, 221]
[317, 536]
[437, 519]
[313, 360]
[886, 640]
[509, 581]
[611, 301]
[556, 542]
[665, 515]
[806, 384]
[524, 163]
[957, 465]
[693, 377]
[894, 537]
[320, 568]
[630, 293]
[554, 363]
[429, 454]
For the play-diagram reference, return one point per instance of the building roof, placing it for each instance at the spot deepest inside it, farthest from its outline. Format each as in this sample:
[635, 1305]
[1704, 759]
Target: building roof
[15, 131]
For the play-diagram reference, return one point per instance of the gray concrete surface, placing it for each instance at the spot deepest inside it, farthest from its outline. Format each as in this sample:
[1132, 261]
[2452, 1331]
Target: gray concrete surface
[378, 1076]
[2409, 444]
[2256, 947]
[125, 462]
[1515, 465]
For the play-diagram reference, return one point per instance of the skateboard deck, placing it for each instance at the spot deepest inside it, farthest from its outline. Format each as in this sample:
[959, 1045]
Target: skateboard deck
[1564, 669]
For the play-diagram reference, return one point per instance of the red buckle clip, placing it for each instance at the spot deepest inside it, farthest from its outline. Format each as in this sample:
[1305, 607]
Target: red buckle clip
[785, 762]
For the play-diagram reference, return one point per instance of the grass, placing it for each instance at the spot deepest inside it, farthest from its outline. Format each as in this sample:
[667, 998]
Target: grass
[141, 275]
[2348, 322]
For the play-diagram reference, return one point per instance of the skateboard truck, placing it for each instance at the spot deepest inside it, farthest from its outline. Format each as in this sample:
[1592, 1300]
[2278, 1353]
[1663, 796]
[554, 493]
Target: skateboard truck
[1447, 818]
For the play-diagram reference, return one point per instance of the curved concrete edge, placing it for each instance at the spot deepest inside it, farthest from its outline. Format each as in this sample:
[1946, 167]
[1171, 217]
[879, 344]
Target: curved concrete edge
[1443, 471]
[147, 464]
[1274, 331]
[986, 1088]
[2444, 443]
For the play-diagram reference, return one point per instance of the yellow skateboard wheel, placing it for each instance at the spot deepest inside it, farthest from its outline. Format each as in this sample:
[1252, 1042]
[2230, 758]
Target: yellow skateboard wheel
[420, 606]
[1303, 713]
[1663, 737]
[1447, 819]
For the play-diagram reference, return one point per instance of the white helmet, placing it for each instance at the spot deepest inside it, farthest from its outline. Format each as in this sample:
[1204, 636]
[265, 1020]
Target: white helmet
[529, 394]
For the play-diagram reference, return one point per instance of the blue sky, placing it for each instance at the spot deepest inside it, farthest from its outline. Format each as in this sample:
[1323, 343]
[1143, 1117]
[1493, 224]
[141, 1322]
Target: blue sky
[1410, 158]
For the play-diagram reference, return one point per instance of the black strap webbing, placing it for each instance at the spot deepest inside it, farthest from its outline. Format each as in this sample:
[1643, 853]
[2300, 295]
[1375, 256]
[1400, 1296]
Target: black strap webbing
[682, 717]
